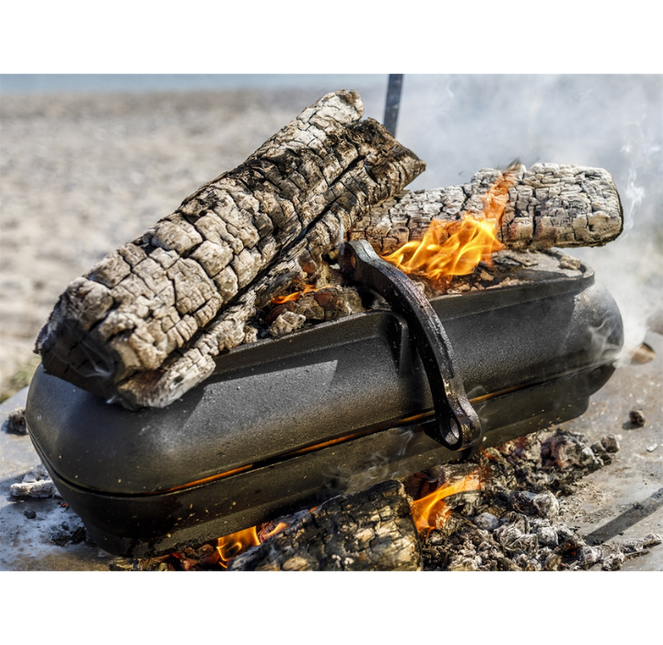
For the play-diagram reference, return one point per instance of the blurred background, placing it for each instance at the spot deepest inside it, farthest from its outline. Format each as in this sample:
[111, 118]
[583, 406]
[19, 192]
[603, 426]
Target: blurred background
[88, 162]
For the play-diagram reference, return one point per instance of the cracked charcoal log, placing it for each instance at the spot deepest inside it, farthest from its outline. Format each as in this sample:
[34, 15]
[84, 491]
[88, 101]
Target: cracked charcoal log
[368, 531]
[547, 205]
[145, 324]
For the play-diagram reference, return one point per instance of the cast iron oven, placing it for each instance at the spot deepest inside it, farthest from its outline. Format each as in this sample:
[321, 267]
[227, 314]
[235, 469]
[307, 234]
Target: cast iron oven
[284, 424]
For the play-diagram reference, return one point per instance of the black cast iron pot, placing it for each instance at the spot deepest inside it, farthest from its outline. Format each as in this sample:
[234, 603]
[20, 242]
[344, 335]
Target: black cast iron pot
[284, 424]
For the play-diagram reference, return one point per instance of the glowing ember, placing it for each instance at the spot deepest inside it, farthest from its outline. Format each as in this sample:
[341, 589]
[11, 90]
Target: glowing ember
[456, 248]
[431, 511]
[232, 545]
[279, 300]
[265, 535]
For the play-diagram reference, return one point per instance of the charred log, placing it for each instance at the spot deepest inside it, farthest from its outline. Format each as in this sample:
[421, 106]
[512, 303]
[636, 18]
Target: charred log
[145, 324]
[368, 531]
[545, 206]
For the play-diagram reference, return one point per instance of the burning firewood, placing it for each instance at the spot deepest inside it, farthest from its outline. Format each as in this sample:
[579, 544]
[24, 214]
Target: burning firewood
[545, 206]
[145, 324]
[368, 531]
[497, 512]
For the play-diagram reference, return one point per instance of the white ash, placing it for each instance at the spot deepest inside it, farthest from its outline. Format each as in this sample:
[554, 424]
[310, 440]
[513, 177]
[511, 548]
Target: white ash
[569, 262]
[286, 323]
[589, 556]
[36, 483]
[486, 521]
[542, 505]
[65, 534]
[512, 523]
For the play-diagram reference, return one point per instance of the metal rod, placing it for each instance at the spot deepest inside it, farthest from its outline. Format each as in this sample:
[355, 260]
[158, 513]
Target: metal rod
[393, 102]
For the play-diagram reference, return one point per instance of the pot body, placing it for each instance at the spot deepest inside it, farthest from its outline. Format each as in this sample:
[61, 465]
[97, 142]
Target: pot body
[284, 424]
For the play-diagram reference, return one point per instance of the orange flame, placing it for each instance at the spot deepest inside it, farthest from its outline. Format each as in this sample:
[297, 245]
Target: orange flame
[279, 300]
[281, 526]
[232, 545]
[431, 511]
[456, 248]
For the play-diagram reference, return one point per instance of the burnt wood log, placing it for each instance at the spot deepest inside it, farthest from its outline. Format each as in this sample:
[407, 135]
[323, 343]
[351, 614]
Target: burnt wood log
[372, 530]
[145, 324]
[545, 206]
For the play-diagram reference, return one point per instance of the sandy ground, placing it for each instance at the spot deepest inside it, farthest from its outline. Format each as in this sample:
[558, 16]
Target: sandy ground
[83, 174]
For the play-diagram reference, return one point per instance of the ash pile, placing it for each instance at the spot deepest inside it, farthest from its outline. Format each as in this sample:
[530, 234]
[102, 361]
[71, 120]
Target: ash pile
[507, 521]
[512, 523]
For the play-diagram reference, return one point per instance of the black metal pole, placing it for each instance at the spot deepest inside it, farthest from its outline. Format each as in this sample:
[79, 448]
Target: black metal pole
[393, 102]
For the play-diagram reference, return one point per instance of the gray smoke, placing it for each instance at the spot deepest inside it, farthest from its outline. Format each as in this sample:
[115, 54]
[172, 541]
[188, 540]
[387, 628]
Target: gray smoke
[461, 123]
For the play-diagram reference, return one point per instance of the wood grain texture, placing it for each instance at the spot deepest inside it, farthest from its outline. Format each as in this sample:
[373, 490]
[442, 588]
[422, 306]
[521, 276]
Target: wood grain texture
[145, 324]
[547, 205]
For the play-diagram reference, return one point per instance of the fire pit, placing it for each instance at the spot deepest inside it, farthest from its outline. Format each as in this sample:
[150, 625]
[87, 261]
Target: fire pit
[266, 435]
[173, 476]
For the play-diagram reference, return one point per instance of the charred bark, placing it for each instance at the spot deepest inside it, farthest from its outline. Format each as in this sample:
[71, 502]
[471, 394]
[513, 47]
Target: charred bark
[145, 324]
[545, 206]
[368, 531]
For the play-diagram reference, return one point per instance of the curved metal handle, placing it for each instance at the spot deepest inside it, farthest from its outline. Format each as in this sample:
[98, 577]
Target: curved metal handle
[458, 426]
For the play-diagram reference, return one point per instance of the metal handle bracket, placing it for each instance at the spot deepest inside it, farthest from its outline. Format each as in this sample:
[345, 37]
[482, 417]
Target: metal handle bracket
[457, 424]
